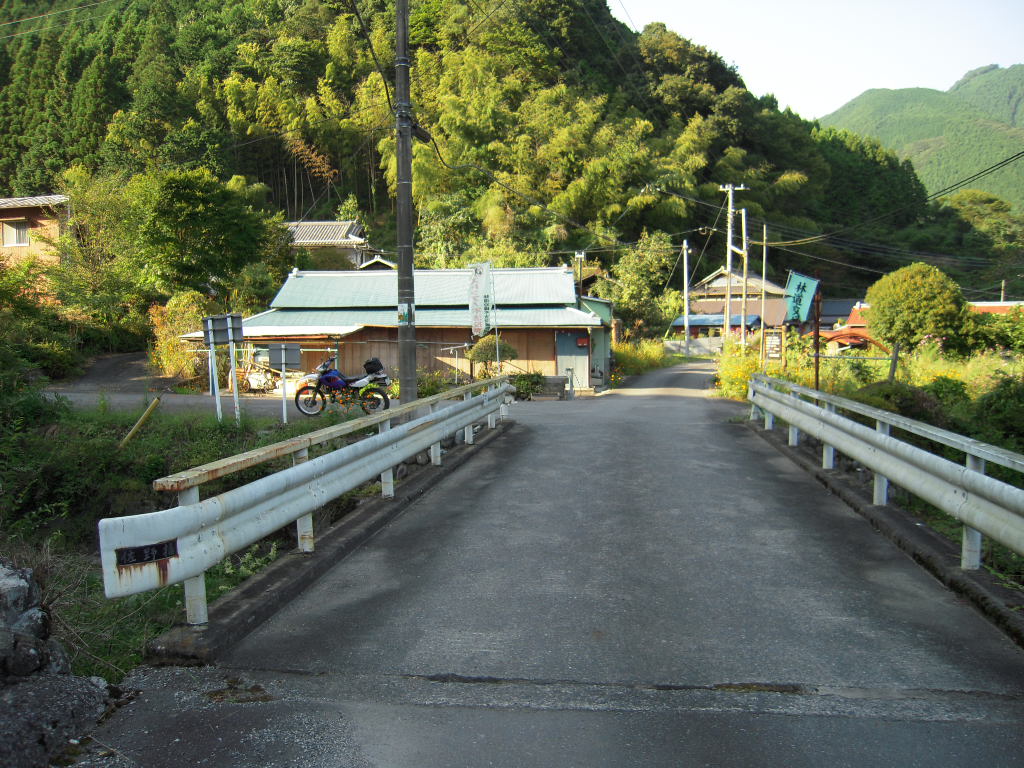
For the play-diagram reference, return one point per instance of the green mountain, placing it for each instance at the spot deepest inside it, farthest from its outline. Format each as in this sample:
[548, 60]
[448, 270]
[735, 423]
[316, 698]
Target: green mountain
[549, 128]
[949, 135]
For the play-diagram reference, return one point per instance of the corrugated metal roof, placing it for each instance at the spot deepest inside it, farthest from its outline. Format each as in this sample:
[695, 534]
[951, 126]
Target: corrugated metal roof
[434, 288]
[32, 202]
[334, 321]
[714, 320]
[337, 233]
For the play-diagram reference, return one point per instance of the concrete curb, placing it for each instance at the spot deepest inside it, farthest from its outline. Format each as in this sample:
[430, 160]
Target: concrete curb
[242, 610]
[938, 555]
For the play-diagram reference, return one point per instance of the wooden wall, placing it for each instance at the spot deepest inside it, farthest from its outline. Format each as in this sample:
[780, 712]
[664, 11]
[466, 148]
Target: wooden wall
[536, 348]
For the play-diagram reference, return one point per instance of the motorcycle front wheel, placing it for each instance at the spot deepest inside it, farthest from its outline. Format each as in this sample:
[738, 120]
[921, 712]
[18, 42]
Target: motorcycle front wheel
[310, 401]
[374, 400]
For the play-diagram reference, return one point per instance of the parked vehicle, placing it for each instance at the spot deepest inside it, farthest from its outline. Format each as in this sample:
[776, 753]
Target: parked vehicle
[369, 392]
[258, 378]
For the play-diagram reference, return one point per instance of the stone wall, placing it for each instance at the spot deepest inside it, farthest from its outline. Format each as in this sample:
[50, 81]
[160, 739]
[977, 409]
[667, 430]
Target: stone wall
[42, 706]
[26, 647]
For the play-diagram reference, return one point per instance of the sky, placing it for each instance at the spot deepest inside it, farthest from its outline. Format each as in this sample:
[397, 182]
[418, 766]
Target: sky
[816, 56]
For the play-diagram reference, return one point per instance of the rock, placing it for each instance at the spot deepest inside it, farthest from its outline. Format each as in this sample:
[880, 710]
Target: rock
[57, 661]
[40, 714]
[18, 592]
[26, 658]
[34, 622]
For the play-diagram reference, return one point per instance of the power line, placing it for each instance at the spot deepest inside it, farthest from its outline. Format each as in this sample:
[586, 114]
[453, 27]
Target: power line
[60, 26]
[54, 13]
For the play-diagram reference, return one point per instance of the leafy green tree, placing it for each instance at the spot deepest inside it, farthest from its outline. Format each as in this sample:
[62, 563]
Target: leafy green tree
[489, 351]
[918, 303]
[196, 233]
[637, 286]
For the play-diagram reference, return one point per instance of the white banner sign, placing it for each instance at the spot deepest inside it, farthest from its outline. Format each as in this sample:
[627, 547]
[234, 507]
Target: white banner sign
[480, 298]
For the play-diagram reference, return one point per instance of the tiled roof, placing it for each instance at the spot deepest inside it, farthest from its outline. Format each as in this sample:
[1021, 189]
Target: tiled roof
[32, 202]
[433, 288]
[346, 234]
[332, 322]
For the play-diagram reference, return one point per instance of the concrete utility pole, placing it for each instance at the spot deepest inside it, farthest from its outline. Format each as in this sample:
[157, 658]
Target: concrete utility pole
[730, 249]
[743, 312]
[406, 287]
[764, 278]
[686, 297]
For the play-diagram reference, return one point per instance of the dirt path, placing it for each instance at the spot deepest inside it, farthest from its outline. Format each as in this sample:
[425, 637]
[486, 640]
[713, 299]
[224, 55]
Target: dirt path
[126, 373]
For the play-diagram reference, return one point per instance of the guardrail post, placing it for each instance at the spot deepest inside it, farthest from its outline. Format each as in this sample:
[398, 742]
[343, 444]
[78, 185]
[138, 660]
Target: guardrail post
[828, 452]
[880, 493]
[304, 525]
[467, 433]
[794, 432]
[970, 548]
[195, 587]
[387, 477]
[435, 448]
[492, 418]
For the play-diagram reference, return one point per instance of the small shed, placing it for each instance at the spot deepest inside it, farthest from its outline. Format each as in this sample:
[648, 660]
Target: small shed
[27, 222]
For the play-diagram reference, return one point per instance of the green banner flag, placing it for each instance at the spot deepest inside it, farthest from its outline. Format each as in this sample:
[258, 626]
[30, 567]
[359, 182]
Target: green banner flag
[800, 291]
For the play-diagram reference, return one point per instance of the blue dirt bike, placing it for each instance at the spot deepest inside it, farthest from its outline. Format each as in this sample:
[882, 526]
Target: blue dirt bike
[328, 385]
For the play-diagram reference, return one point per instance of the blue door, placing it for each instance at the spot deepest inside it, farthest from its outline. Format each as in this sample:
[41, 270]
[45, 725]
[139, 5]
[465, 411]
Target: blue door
[573, 352]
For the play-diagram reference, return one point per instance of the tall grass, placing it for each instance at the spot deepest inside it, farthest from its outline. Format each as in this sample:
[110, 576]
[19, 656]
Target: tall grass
[61, 471]
[634, 358]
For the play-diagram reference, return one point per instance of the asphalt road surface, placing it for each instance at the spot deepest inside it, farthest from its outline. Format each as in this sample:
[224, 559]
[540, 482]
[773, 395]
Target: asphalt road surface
[124, 382]
[628, 580]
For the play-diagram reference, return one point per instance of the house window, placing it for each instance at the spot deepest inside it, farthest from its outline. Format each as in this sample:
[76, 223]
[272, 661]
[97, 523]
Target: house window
[15, 233]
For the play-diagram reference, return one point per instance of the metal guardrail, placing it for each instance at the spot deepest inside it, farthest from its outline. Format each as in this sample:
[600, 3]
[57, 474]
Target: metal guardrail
[148, 551]
[983, 504]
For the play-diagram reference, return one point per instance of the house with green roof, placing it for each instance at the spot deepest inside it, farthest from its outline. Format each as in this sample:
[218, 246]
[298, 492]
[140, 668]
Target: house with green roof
[536, 310]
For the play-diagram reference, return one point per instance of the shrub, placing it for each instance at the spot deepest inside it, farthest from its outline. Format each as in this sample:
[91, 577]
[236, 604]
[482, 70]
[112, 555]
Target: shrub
[634, 358]
[904, 399]
[999, 413]
[735, 368]
[527, 384]
[486, 352]
[183, 313]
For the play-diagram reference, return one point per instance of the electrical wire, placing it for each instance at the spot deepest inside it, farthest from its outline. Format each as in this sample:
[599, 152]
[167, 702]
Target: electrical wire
[55, 13]
[68, 23]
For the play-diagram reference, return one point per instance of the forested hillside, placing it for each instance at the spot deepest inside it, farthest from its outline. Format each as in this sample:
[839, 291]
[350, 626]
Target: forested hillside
[554, 128]
[948, 135]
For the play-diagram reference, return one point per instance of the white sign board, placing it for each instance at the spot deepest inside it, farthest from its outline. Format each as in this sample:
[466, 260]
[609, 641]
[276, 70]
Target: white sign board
[480, 298]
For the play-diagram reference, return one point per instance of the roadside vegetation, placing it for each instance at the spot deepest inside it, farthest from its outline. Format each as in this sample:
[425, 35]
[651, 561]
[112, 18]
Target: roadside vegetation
[61, 471]
[957, 370]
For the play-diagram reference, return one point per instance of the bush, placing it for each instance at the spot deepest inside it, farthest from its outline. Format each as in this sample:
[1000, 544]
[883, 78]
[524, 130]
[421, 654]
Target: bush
[634, 358]
[527, 385]
[486, 352]
[904, 399]
[735, 368]
[999, 414]
[183, 313]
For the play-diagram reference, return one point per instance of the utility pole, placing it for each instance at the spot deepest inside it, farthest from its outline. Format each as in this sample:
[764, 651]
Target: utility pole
[406, 287]
[686, 298]
[743, 319]
[729, 189]
[764, 277]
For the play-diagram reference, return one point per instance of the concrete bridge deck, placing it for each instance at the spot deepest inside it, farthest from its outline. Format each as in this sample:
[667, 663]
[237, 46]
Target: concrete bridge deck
[634, 579]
